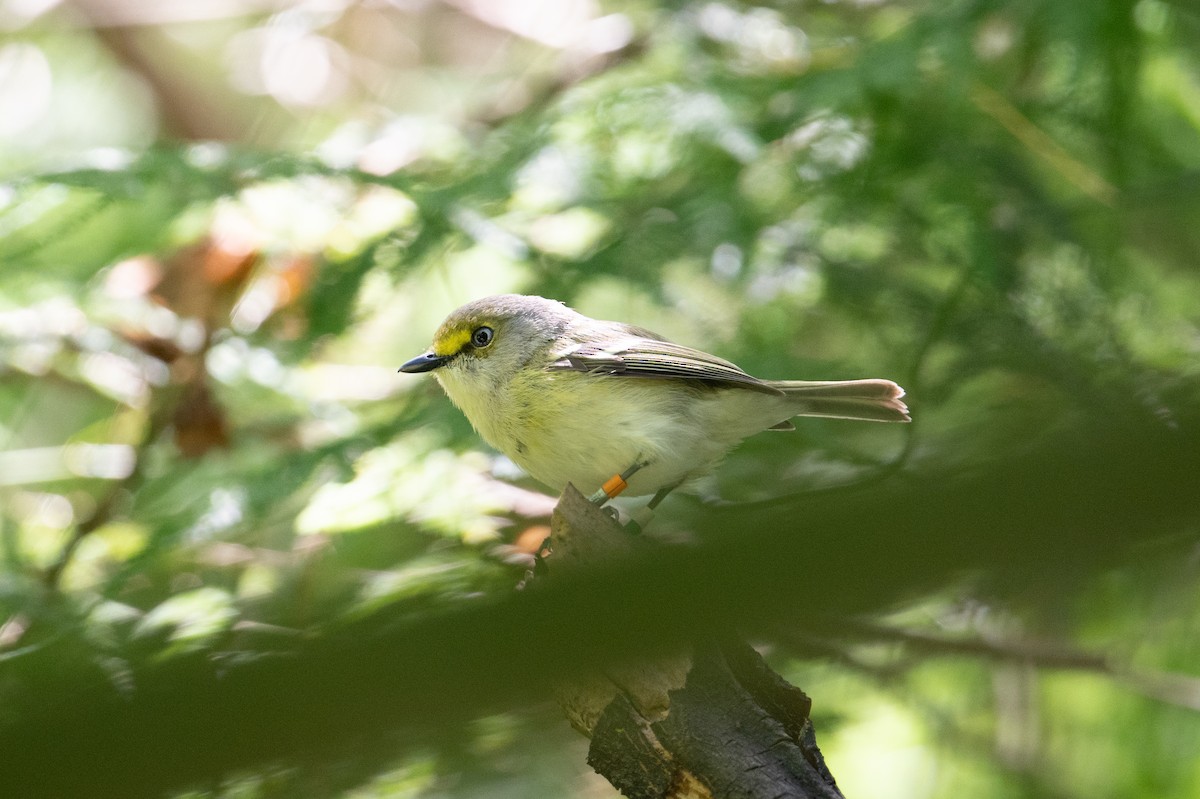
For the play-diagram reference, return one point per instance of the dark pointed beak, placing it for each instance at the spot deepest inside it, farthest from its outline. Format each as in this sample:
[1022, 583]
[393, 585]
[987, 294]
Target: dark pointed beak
[424, 363]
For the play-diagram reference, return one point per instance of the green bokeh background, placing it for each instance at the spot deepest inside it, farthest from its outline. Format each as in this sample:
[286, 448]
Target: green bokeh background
[994, 203]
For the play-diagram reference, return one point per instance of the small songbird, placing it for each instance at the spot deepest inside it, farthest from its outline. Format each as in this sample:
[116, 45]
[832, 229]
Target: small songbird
[607, 405]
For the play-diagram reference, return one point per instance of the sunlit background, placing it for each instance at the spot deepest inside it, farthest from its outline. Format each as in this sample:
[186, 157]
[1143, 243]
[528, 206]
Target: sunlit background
[225, 223]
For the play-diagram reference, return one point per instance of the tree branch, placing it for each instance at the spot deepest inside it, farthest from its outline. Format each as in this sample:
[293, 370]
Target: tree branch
[1079, 502]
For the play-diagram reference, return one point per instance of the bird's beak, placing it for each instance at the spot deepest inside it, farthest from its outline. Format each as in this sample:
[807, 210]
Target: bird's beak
[424, 363]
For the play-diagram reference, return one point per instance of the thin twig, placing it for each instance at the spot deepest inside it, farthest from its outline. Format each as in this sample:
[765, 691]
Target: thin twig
[107, 507]
[1086, 179]
[1180, 690]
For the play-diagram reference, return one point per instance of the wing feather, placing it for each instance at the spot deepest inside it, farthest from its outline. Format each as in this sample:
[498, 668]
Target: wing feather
[639, 356]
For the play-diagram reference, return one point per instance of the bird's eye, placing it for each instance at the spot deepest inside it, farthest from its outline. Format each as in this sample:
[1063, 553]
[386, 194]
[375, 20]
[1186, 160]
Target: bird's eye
[482, 336]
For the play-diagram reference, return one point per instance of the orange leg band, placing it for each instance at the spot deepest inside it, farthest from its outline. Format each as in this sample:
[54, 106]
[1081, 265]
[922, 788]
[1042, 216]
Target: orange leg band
[614, 486]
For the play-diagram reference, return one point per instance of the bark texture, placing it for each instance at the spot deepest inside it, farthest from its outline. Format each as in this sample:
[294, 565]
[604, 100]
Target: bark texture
[711, 723]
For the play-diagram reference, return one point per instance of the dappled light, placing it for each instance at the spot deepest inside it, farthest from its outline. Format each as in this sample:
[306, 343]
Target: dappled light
[242, 556]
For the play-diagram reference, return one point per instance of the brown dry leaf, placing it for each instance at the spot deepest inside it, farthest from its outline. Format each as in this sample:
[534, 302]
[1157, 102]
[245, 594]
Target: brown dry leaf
[200, 423]
[530, 539]
[295, 274]
[202, 281]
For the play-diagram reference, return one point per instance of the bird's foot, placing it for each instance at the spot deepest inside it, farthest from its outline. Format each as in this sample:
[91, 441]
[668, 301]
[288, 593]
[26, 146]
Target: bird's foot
[538, 568]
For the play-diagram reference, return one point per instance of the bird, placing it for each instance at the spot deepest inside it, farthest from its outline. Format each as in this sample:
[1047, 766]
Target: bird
[613, 406]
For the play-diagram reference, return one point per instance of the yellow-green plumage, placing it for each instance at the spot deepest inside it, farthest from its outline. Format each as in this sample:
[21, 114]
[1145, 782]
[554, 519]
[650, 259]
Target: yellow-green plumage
[574, 399]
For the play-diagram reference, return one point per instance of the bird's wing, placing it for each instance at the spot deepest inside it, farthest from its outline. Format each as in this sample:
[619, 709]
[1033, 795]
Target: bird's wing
[639, 356]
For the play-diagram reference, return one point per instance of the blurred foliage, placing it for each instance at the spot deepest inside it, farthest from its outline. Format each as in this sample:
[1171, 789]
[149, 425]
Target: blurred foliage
[209, 272]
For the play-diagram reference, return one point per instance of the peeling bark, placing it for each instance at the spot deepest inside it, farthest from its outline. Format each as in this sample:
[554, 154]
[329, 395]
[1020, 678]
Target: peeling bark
[713, 723]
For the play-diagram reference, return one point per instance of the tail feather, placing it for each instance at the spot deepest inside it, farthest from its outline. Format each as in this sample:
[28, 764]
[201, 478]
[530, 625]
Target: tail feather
[872, 400]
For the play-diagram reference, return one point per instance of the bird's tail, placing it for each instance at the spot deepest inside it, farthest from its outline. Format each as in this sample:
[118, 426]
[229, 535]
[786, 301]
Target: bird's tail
[871, 400]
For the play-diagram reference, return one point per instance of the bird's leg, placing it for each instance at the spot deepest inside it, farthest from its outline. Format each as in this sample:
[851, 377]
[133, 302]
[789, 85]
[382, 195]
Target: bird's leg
[638, 523]
[614, 485]
[661, 494]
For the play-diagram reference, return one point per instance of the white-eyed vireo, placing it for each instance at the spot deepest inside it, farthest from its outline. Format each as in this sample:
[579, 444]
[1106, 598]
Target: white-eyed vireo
[593, 403]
